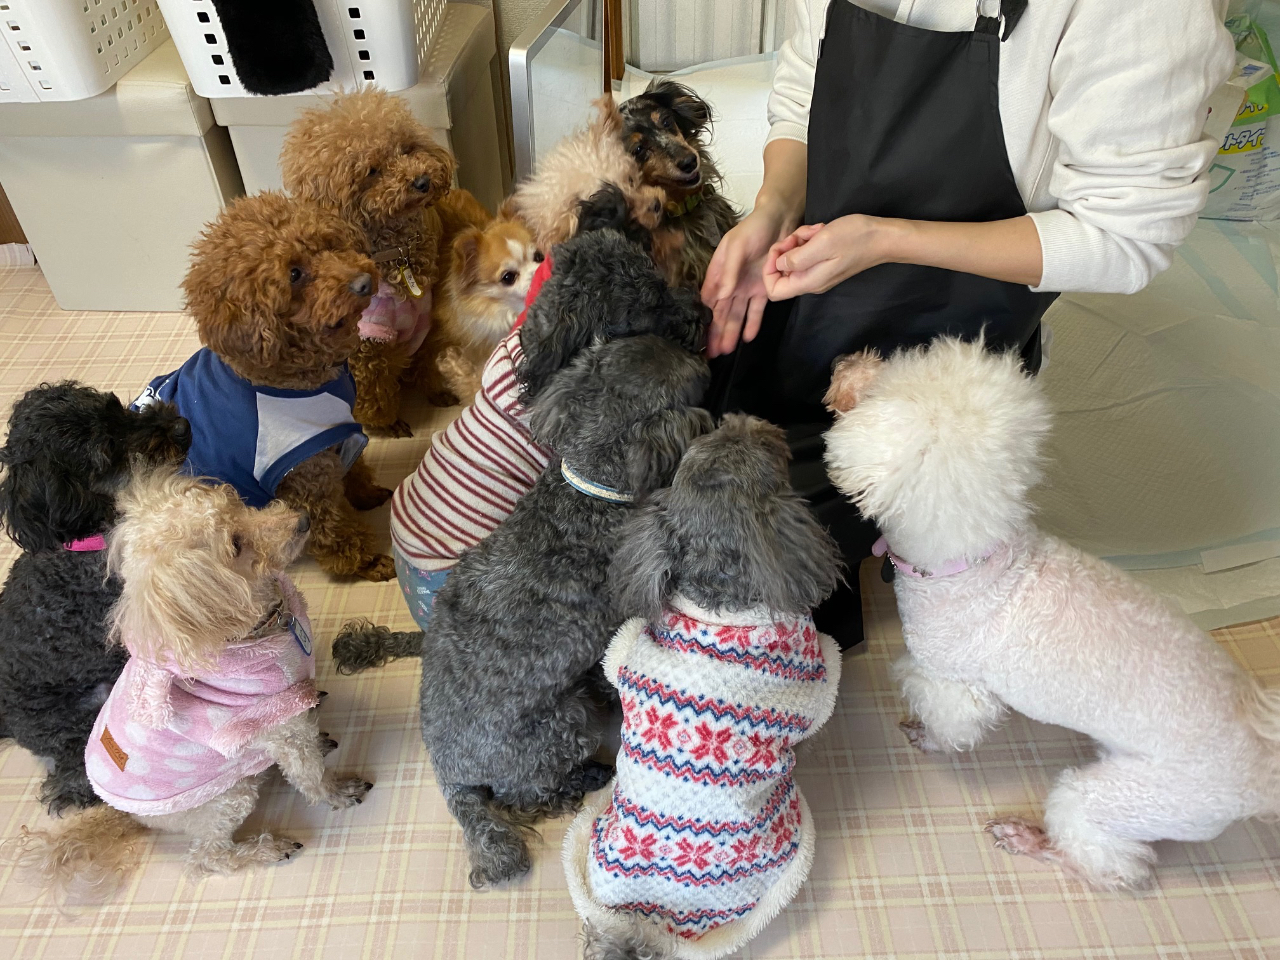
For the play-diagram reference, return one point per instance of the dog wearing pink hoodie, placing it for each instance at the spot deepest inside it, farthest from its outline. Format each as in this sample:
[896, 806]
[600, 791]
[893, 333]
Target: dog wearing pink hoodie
[219, 687]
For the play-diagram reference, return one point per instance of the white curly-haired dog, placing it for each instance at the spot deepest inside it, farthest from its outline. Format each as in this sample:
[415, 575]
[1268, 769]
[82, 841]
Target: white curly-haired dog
[940, 447]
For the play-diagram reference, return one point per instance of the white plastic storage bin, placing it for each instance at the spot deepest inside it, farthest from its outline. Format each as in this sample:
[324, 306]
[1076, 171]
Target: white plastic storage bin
[371, 41]
[73, 49]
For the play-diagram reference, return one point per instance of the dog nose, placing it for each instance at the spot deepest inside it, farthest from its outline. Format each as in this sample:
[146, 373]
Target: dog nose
[181, 429]
[422, 184]
[689, 163]
[304, 523]
[361, 286]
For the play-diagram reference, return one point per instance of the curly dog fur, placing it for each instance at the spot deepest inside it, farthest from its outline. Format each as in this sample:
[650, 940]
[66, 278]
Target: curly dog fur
[510, 713]
[604, 288]
[365, 157]
[665, 197]
[276, 287]
[940, 446]
[551, 201]
[70, 449]
[731, 535]
[197, 567]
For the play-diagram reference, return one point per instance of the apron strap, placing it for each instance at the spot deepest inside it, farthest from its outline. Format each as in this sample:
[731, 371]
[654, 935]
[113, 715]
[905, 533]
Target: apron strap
[1011, 12]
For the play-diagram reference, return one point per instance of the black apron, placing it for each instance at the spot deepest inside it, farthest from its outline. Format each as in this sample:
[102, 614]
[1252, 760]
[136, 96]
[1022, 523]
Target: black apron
[904, 123]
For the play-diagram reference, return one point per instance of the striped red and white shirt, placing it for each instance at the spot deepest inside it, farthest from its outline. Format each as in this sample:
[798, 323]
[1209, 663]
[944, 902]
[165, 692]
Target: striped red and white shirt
[476, 470]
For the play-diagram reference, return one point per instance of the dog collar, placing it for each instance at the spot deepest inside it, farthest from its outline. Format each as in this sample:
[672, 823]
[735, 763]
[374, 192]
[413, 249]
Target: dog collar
[591, 488]
[87, 545]
[678, 208]
[948, 569]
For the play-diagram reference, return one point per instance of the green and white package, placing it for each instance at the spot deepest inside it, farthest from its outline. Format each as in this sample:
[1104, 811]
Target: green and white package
[1244, 180]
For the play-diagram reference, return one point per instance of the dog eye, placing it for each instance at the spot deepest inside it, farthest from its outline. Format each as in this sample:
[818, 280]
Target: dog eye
[236, 543]
[637, 150]
[373, 172]
[666, 123]
[295, 275]
[509, 278]
[538, 257]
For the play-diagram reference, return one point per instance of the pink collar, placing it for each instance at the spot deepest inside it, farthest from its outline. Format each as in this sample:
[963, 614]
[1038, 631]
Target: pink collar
[948, 569]
[87, 545]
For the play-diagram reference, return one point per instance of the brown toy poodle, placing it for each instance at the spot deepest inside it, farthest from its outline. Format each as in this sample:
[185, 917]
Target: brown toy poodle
[366, 158]
[276, 287]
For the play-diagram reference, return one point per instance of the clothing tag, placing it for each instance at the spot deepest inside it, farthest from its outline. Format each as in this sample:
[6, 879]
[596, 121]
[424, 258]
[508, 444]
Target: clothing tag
[300, 634]
[411, 282]
[118, 756]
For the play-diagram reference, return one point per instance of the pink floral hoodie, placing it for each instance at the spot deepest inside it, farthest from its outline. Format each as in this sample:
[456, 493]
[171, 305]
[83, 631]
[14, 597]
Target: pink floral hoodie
[164, 742]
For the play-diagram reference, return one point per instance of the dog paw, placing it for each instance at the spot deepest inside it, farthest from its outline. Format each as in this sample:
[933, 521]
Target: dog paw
[347, 791]
[918, 736]
[595, 775]
[283, 849]
[379, 569]
[1018, 836]
[327, 744]
[397, 430]
[370, 498]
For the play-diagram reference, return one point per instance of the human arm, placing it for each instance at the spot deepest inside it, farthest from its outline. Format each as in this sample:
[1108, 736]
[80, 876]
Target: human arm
[734, 286]
[813, 259]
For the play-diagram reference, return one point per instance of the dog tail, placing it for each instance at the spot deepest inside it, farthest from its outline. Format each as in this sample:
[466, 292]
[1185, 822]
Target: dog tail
[86, 860]
[362, 644]
[495, 843]
[634, 943]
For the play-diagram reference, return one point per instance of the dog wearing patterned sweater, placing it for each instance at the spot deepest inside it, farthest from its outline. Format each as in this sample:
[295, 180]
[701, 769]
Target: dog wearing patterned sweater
[704, 835]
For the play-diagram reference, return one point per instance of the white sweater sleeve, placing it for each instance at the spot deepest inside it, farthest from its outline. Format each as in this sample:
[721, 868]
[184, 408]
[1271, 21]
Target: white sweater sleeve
[1129, 85]
[793, 76]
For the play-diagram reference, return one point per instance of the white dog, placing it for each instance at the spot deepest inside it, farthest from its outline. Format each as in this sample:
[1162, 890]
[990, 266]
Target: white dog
[939, 447]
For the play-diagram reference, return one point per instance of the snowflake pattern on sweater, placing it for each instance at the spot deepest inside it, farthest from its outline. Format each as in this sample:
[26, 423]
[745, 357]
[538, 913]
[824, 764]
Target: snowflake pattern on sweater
[705, 816]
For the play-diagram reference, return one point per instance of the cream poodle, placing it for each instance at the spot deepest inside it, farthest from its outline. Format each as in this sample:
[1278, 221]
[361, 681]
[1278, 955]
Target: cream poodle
[940, 447]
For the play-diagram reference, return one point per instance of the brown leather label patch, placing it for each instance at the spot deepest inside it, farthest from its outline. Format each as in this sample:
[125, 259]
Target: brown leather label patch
[113, 749]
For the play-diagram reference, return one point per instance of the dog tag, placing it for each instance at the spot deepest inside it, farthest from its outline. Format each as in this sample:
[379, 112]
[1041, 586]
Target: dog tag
[300, 634]
[411, 282]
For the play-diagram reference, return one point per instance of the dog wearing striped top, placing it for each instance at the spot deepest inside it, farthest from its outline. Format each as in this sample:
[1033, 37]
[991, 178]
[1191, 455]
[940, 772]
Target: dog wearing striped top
[705, 836]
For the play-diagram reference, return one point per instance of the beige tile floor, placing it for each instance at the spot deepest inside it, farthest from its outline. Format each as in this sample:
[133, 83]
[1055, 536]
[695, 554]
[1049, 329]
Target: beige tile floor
[903, 869]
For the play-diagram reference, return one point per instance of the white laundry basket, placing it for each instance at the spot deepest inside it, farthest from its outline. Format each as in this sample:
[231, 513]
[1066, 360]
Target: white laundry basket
[371, 41]
[73, 49]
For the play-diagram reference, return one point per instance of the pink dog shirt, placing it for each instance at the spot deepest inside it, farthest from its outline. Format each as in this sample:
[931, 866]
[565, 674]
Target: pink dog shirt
[164, 743]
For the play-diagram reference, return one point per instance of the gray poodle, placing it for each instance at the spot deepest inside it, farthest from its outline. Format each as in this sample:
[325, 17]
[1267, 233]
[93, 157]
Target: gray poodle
[604, 287]
[511, 713]
[721, 571]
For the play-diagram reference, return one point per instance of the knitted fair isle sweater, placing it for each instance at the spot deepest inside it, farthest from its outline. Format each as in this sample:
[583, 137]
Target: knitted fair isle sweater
[705, 833]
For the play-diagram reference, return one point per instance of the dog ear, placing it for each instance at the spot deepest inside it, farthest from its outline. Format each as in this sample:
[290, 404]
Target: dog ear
[851, 378]
[557, 405]
[658, 444]
[608, 120]
[466, 255]
[177, 599]
[42, 507]
[641, 571]
[794, 562]
[692, 113]
[510, 210]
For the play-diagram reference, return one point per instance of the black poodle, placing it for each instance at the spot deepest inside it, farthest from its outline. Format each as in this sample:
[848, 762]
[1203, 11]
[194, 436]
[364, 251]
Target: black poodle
[70, 449]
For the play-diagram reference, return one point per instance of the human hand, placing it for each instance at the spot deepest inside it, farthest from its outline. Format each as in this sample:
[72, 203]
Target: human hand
[816, 257]
[734, 287]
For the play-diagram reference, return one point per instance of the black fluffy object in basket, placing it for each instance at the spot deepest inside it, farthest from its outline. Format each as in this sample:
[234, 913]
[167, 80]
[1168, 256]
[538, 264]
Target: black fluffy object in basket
[276, 46]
